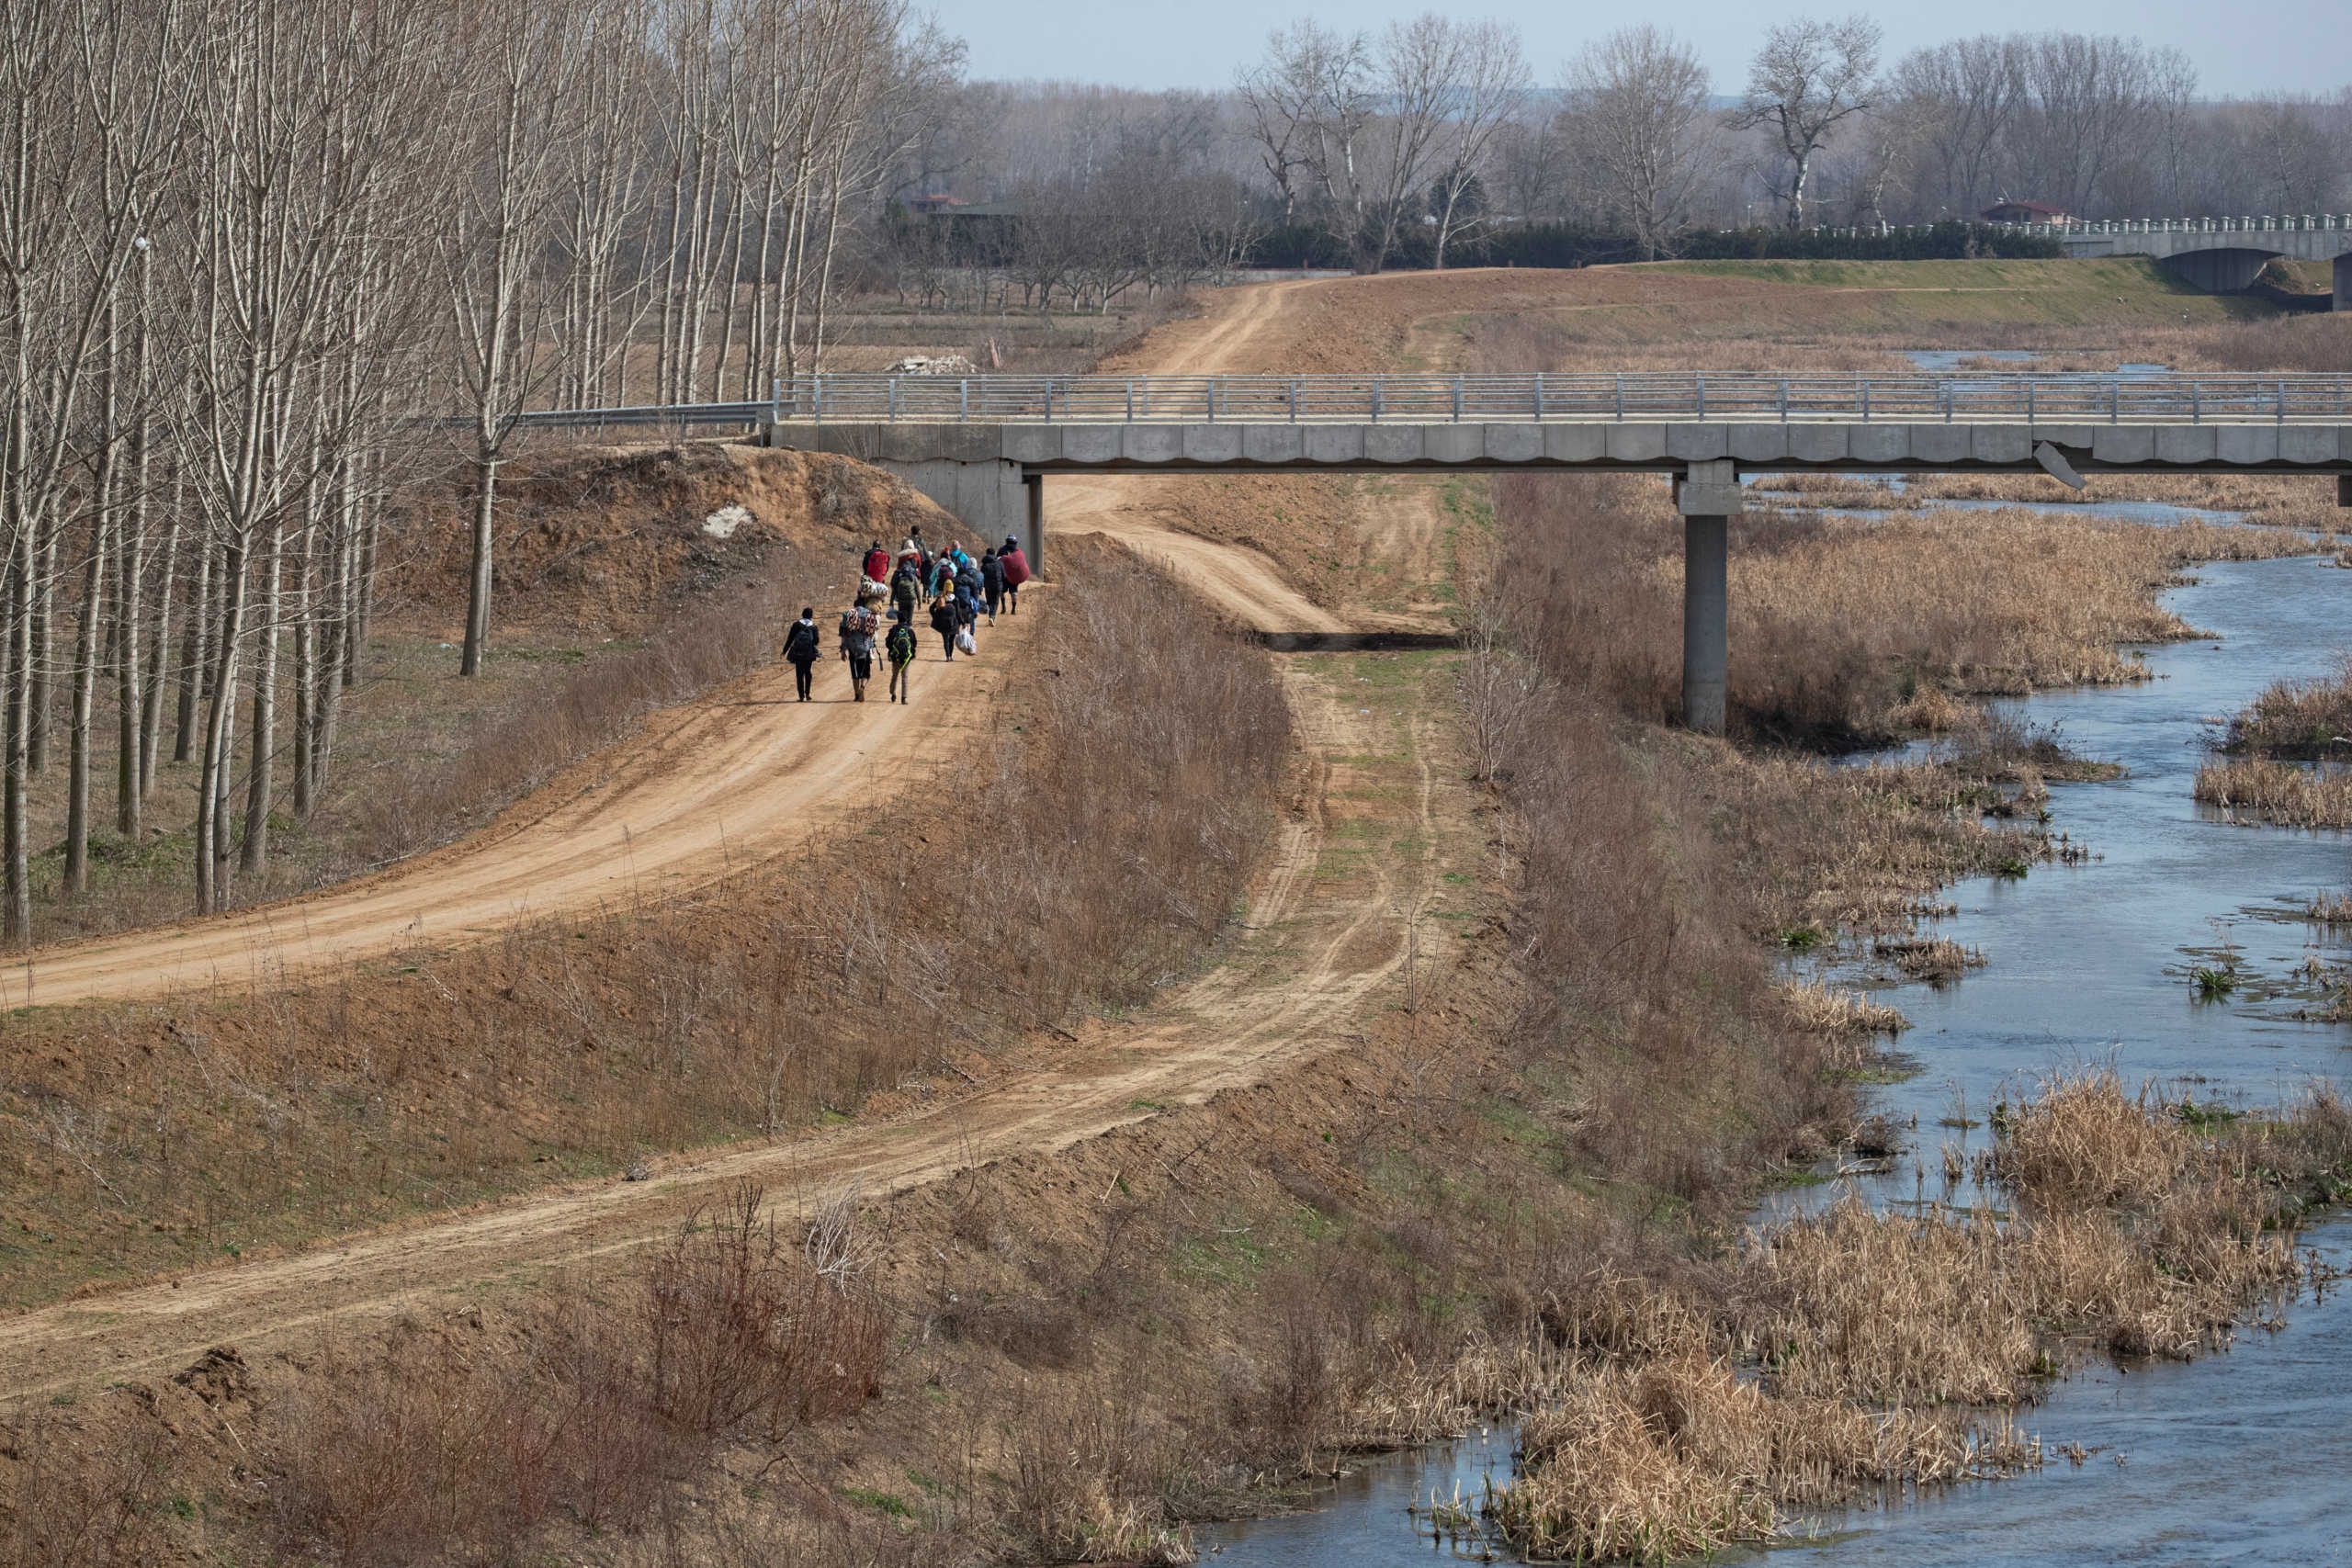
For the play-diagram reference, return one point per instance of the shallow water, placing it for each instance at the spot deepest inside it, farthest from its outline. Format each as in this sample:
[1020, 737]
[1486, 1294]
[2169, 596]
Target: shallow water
[2242, 1457]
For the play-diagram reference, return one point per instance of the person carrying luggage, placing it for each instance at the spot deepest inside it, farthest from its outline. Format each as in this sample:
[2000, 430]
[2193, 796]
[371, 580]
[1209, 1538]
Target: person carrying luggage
[878, 563]
[858, 626]
[800, 648]
[1015, 567]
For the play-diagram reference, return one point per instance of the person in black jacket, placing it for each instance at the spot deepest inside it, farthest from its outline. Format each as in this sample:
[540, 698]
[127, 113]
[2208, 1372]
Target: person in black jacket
[945, 622]
[992, 583]
[801, 648]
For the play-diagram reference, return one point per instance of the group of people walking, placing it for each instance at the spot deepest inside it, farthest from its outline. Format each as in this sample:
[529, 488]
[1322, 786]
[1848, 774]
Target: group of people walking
[957, 590]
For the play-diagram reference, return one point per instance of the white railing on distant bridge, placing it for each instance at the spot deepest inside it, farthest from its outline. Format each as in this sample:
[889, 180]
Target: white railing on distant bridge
[1420, 399]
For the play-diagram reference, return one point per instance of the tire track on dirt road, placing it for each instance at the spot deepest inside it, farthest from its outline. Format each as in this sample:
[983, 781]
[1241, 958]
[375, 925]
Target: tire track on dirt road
[1353, 860]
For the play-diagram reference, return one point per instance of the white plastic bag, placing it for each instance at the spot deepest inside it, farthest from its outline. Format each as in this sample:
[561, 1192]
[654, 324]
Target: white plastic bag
[964, 643]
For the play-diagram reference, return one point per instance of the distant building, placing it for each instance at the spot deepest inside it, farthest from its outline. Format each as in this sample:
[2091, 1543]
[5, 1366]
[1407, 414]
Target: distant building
[2025, 212]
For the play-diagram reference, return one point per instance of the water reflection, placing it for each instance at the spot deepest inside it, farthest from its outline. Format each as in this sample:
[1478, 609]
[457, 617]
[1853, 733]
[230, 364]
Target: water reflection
[2245, 1456]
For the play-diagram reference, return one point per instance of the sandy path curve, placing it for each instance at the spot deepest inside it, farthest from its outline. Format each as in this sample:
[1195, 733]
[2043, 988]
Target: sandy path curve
[703, 790]
[1319, 947]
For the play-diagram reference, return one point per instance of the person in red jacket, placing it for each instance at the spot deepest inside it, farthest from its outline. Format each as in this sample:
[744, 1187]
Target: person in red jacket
[1016, 572]
[878, 563]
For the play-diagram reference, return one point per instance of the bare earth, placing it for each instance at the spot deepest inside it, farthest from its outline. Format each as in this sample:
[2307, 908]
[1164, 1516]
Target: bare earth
[747, 771]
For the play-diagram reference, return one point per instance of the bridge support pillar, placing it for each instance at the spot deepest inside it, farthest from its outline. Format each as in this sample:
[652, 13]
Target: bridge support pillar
[993, 500]
[2344, 282]
[1708, 496]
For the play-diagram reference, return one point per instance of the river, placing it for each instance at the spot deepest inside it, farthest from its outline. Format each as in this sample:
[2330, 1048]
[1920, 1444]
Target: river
[2244, 1456]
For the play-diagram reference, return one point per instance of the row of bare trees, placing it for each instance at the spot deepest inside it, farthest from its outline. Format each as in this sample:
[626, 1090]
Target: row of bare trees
[254, 253]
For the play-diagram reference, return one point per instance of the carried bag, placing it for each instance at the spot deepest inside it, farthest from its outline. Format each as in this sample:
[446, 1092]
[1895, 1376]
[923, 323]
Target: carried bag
[964, 643]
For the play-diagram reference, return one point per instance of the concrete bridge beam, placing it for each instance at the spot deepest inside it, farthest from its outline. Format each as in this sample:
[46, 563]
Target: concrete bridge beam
[1708, 496]
[2344, 282]
[2230, 271]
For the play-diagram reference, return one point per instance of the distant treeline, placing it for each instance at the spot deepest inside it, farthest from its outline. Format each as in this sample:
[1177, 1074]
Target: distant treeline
[1572, 245]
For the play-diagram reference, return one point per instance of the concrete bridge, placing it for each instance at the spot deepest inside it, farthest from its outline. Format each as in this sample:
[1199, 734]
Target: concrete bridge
[984, 447]
[2220, 256]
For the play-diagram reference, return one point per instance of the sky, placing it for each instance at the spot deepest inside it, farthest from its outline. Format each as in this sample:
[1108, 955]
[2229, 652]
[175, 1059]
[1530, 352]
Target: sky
[2296, 46]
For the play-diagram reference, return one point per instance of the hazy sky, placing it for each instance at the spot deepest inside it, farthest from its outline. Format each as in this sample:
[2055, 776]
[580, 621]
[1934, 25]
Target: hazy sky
[2292, 45]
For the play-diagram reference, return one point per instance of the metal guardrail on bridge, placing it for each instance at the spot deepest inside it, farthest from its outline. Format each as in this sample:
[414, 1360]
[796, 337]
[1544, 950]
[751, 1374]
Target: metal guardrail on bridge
[1193, 399]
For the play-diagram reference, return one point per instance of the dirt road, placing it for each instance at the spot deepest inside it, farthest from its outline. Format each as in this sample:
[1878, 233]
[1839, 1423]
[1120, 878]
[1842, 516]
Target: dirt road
[706, 789]
[1326, 936]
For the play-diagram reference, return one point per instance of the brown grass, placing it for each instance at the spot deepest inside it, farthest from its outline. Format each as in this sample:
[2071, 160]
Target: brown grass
[2256, 789]
[1838, 627]
[2303, 719]
[756, 1007]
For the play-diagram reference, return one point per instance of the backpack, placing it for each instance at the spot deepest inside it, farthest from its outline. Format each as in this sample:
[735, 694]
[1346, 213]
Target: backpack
[801, 639]
[901, 643]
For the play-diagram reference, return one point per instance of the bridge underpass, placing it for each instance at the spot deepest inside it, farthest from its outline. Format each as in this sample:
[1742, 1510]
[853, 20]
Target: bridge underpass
[2216, 255]
[985, 448]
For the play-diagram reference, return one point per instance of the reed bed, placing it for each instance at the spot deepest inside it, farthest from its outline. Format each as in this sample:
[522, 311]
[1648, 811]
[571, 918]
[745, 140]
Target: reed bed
[2306, 719]
[2258, 789]
[1857, 1347]
[1821, 1009]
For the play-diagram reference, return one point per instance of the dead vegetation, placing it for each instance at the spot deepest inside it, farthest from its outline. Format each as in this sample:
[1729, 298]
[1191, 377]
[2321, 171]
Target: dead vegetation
[2255, 789]
[187, 1133]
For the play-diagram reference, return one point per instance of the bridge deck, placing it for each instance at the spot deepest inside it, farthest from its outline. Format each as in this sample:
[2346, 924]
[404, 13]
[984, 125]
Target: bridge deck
[2125, 399]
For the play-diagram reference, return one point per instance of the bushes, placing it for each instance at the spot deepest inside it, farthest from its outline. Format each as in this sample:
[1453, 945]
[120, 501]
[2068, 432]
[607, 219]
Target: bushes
[434, 1447]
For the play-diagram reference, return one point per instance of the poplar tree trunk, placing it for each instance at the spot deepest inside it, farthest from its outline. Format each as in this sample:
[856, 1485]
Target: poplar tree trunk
[86, 684]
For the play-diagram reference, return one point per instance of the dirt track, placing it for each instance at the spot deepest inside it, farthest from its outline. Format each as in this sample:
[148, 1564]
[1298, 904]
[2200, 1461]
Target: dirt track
[725, 779]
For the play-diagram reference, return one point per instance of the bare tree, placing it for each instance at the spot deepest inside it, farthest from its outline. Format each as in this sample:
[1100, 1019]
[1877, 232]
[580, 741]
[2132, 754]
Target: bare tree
[1959, 100]
[1810, 77]
[521, 99]
[1490, 91]
[88, 136]
[1637, 114]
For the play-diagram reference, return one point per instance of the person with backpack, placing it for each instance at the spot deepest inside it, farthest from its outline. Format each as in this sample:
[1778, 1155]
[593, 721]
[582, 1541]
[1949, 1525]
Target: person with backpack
[878, 563]
[945, 621]
[800, 649]
[968, 616]
[858, 626]
[900, 648]
[992, 583]
[906, 586]
[1015, 567]
[967, 576]
[942, 576]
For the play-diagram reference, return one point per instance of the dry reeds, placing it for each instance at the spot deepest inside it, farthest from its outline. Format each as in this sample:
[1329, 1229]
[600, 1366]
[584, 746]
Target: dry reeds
[1822, 1010]
[2297, 719]
[2289, 793]
[1681, 1456]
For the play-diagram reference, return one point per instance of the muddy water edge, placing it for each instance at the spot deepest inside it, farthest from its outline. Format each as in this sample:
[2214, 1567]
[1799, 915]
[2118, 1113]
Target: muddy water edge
[2242, 1455]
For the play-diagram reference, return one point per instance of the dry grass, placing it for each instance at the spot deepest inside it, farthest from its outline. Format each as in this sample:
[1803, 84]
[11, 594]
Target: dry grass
[1936, 960]
[1679, 1456]
[1822, 1010]
[1839, 628]
[2256, 789]
[576, 1047]
[2305, 719]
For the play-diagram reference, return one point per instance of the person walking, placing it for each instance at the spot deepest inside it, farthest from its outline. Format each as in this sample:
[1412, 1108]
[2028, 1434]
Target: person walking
[1015, 567]
[858, 626]
[800, 649]
[906, 586]
[878, 563]
[944, 622]
[942, 576]
[991, 583]
[968, 612]
[900, 648]
[968, 575]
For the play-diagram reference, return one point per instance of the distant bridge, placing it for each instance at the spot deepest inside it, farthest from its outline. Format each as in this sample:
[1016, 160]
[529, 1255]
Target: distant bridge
[983, 446]
[2220, 256]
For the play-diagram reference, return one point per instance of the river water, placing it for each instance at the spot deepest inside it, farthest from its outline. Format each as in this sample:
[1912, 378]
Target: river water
[2241, 1456]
